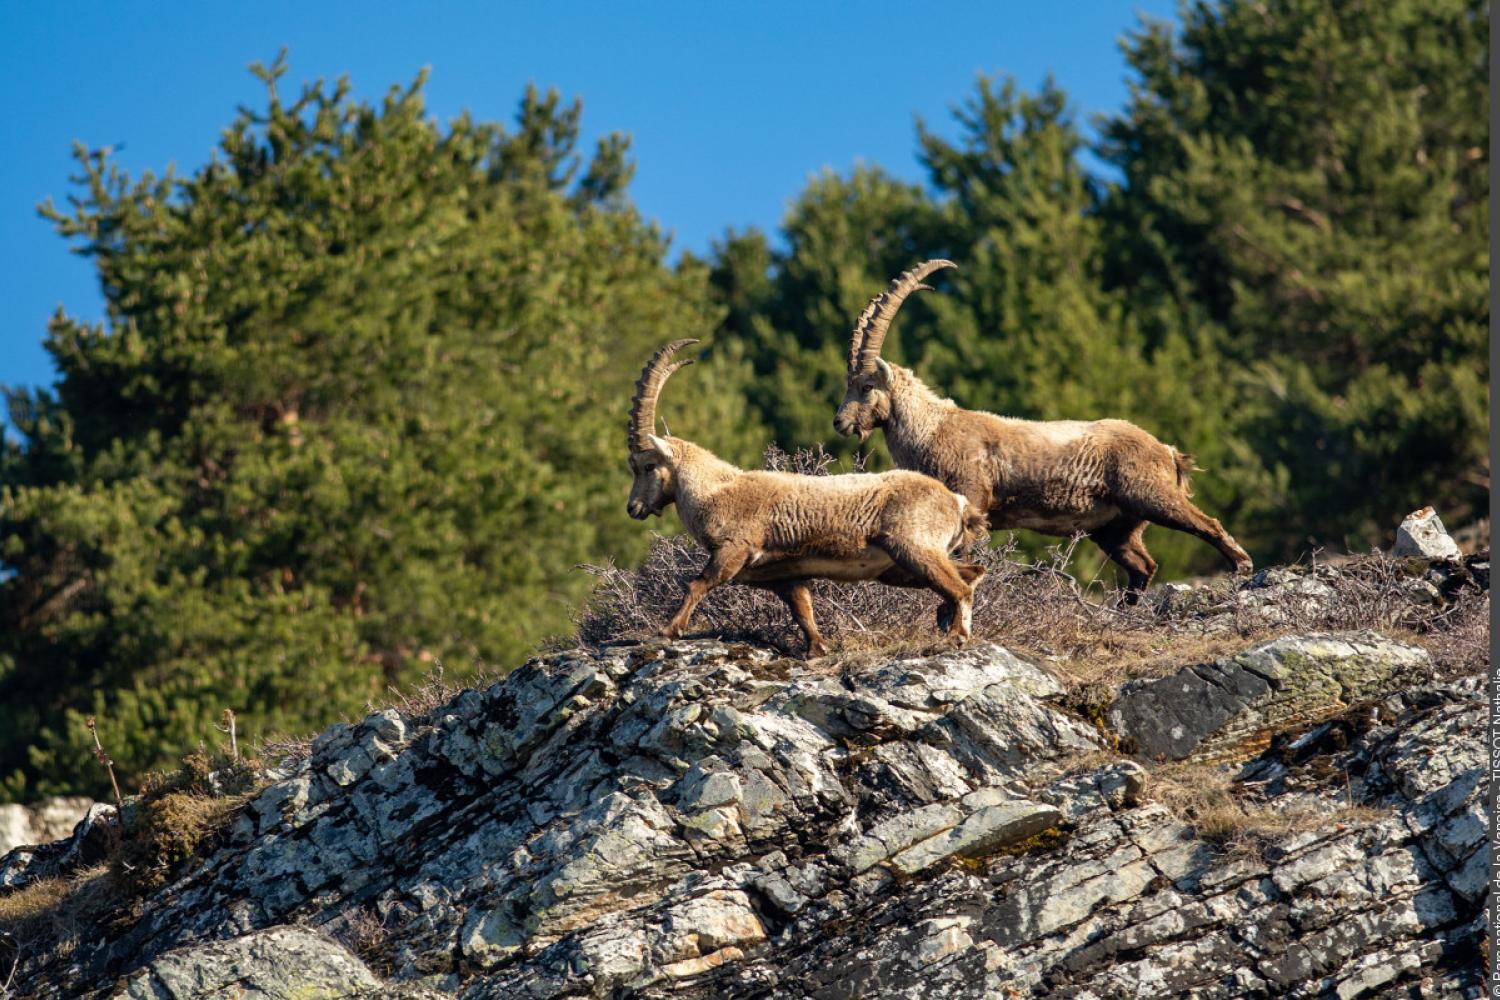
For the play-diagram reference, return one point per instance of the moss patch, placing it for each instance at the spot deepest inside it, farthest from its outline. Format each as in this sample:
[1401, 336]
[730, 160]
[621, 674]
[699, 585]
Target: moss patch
[1047, 840]
[180, 815]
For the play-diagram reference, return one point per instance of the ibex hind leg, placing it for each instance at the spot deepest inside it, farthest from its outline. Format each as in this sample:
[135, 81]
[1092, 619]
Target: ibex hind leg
[1121, 541]
[1181, 514]
[938, 573]
[799, 599]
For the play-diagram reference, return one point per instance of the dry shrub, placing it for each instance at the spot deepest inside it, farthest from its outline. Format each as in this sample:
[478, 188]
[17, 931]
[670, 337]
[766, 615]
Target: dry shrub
[1039, 609]
[1459, 638]
[812, 461]
[1035, 605]
[362, 931]
[286, 748]
[436, 690]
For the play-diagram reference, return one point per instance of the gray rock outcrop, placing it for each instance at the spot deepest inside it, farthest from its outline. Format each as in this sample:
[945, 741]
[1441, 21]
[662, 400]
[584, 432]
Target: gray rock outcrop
[1273, 684]
[704, 819]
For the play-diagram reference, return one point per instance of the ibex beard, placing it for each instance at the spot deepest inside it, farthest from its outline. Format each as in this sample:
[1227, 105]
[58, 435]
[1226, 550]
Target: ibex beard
[1107, 479]
[779, 530]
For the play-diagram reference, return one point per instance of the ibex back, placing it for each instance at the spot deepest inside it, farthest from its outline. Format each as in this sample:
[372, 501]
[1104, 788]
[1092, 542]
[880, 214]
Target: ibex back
[1108, 479]
[779, 530]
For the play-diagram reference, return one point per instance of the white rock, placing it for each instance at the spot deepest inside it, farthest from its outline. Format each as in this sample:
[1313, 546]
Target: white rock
[1421, 535]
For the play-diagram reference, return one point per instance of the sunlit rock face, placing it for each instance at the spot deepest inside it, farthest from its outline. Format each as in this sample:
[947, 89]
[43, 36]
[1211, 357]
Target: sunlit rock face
[40, 822]
[704, 819]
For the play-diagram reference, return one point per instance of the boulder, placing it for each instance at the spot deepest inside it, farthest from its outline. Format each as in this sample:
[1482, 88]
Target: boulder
[1421, 535]
[41, 822]
[281, 963]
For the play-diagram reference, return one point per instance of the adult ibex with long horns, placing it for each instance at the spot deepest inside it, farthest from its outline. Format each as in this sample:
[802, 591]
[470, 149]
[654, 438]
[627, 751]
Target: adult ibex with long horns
[778, 530]
[1108, 479]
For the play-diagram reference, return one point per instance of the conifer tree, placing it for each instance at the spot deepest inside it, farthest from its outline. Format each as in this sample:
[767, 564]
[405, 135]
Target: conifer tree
[357, 409]
[1312, 178]
[792, 310]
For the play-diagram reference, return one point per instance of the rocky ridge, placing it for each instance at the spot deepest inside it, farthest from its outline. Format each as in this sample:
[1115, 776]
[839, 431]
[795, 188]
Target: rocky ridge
[708, 819]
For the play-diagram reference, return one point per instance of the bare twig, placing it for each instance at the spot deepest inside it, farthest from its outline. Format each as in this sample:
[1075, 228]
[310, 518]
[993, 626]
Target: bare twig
[15, 963]
[109, 765]
[228, 727]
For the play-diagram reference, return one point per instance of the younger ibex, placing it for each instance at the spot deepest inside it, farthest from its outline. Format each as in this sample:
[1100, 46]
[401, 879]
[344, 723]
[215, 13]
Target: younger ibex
[1105, 478]
[778, 530]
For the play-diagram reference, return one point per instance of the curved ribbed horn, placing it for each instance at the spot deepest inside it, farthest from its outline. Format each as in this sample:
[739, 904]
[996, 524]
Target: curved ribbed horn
[870, 329]
[647, 388]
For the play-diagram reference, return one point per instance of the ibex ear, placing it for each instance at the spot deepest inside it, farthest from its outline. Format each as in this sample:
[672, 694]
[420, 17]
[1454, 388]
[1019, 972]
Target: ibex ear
[884, 369]
[662, 448]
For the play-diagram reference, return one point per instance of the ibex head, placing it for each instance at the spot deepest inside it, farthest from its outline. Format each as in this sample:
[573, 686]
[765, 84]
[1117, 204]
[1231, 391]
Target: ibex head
[652, 459]
[867, 398]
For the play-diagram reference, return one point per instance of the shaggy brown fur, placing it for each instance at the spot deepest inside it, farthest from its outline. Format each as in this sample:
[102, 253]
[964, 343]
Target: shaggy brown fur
[778, 530]
[1108, 479]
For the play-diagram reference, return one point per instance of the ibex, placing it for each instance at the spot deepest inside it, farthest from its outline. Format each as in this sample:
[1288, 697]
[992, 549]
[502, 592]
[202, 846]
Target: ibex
[778, 530]
[1108, 479]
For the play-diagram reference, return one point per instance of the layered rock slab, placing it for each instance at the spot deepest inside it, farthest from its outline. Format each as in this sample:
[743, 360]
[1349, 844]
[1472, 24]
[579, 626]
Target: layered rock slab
[1272, 684]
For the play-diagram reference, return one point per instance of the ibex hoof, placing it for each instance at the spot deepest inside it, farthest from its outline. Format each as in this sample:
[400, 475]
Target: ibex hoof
[816, 649]
[955, 619]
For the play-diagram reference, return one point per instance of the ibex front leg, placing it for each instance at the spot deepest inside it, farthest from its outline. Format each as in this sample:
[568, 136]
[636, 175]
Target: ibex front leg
[722, 566]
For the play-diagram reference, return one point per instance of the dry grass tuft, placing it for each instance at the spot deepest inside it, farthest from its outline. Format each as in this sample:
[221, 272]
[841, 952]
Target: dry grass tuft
[178, 816]
[1207, 798]
[52, 915]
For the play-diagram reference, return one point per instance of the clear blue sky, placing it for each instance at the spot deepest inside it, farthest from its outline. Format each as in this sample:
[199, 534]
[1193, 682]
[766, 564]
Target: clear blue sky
[731, 105]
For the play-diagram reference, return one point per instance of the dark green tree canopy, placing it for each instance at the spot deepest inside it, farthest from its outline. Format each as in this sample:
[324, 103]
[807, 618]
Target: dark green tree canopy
[1312, 179]
[357, 409]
